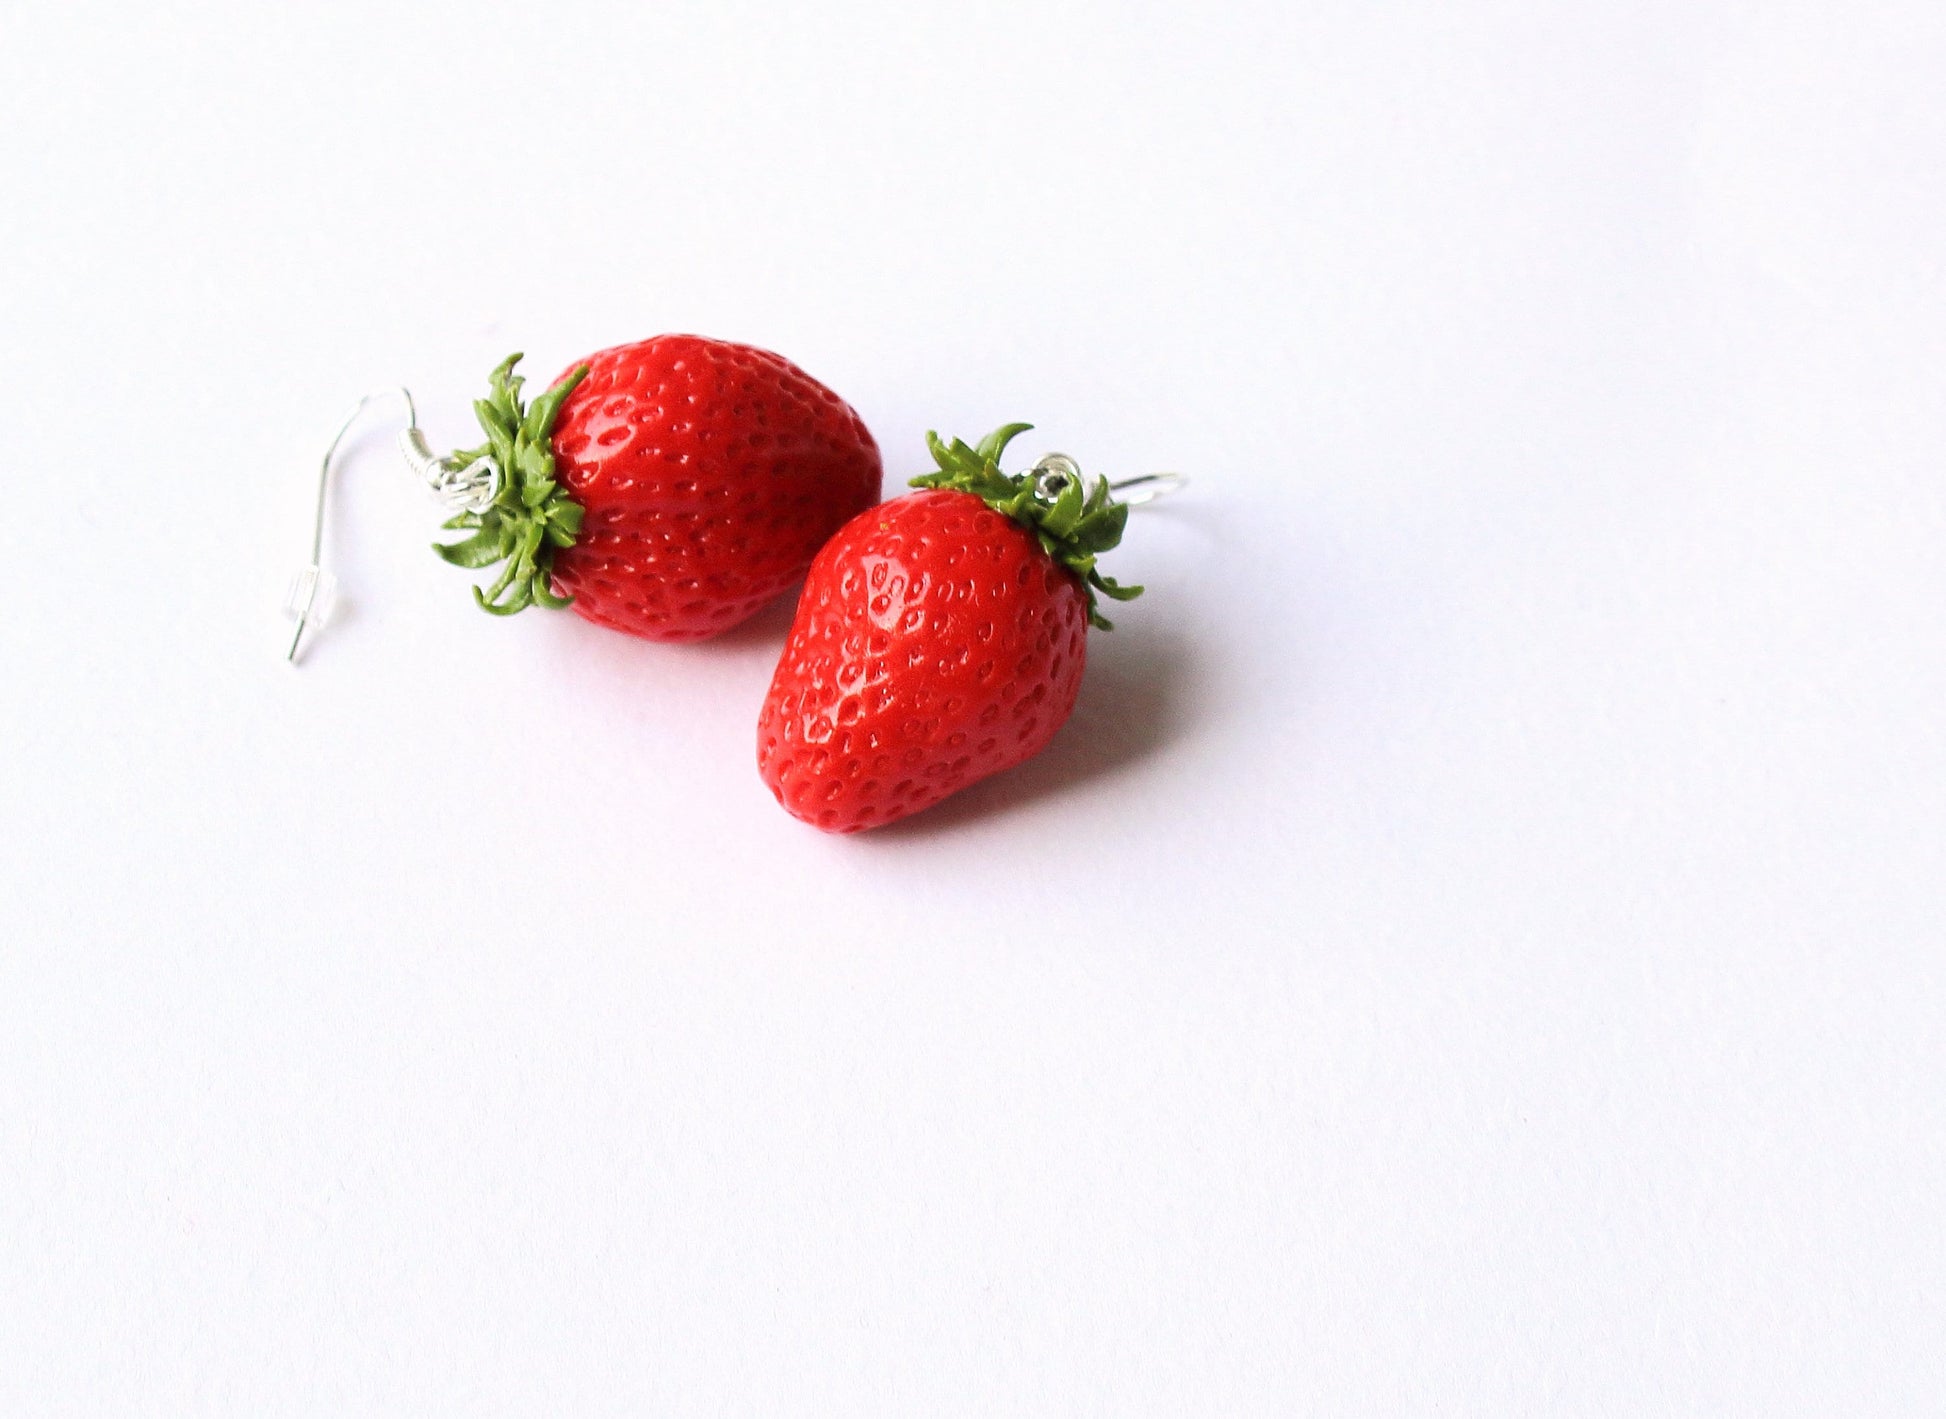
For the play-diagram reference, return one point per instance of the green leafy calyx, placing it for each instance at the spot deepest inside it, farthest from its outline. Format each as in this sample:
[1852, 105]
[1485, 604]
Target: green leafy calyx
[1074, 524]
[531, 516]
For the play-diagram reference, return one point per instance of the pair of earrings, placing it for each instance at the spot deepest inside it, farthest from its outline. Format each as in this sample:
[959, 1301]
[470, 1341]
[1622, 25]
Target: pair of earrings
[674, 487]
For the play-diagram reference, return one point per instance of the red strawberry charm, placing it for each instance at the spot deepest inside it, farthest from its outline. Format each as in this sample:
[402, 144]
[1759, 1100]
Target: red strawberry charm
[940, 637]
[670, 488]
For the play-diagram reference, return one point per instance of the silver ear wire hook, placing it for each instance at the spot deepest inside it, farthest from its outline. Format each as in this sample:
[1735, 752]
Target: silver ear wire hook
[1148, 487]
[461, 484]
[1054, 471]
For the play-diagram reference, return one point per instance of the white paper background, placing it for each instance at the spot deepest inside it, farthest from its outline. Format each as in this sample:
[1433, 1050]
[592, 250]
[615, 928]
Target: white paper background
[1476, 950]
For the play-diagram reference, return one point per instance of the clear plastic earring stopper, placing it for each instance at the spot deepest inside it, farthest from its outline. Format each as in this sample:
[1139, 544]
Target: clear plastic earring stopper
[312, 597]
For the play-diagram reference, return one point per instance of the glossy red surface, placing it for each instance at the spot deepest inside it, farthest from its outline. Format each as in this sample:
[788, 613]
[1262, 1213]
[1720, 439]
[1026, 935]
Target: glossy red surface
[711, 473]
[934, 644]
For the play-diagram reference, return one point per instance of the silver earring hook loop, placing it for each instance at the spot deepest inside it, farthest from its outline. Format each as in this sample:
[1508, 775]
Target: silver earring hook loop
[460, 484]
[1055, 471]
[313, 590]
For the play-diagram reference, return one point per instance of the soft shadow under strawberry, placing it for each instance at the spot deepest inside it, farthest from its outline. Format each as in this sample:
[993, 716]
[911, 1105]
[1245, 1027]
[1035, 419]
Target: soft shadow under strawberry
[1134, 703]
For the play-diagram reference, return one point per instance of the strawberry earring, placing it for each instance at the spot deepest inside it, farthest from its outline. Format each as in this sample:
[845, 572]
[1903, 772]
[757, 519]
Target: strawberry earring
[669, 488]
[941, 637]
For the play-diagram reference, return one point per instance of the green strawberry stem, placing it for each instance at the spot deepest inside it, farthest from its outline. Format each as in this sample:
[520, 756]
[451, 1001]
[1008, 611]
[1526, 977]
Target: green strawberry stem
[532, 516]
[1074, 528]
